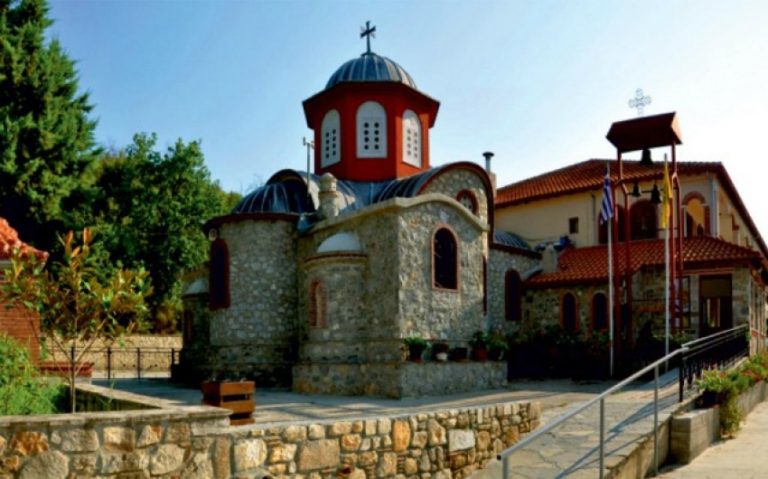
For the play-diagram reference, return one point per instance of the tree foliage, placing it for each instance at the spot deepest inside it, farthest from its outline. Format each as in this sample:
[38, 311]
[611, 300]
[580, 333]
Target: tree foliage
[152, 209]
[46, 135]
[76, 308]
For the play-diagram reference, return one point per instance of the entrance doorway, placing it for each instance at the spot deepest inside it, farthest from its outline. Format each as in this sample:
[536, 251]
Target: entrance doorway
[715, 304]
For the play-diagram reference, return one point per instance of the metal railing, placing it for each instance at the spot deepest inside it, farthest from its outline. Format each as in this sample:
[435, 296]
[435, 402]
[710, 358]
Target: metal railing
[721, 348]
[134, 362]
[716, 350]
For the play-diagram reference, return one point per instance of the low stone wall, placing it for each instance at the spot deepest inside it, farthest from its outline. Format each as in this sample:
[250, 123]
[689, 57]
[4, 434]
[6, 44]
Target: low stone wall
[693, 432]
[196, 443]
[399, 379]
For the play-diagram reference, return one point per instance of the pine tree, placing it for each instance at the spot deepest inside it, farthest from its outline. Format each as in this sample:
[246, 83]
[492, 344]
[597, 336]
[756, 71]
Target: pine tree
[46, 135]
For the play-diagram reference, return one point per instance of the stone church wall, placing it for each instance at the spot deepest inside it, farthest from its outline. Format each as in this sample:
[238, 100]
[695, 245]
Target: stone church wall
[451, 182]
[255, 336]
[499, 262]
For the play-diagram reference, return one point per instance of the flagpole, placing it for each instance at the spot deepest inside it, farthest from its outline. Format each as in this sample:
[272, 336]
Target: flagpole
[668, 229]
[610, 279]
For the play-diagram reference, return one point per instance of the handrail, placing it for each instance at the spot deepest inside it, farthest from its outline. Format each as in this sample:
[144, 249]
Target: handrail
[715, 335]
[603, 395]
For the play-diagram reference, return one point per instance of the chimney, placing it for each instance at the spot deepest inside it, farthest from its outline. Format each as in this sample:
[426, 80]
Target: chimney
[488, 155]
[549, 259]
[328, 207]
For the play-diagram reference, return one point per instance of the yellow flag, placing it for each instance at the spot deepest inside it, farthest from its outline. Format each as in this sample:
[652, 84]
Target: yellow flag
[666, 197]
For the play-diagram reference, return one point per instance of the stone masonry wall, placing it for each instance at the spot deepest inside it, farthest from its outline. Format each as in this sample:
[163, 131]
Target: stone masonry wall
[195, 443]
[451, 182]
[255, 336]
[499, 263]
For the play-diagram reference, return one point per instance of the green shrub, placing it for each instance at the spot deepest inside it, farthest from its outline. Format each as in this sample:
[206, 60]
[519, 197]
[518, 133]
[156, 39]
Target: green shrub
[726, 387]
[22, 389]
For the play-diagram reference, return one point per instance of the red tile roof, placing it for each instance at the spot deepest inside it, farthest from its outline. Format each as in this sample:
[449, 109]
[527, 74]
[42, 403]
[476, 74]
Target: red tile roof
[588, 176]
[9, 240]
[590, 264]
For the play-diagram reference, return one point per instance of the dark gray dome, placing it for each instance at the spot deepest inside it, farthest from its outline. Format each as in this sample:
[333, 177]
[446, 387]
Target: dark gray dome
[370, 67]
[277, 197]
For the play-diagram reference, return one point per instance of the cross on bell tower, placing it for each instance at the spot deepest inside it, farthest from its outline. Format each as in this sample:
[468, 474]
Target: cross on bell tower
[639, 101]
[368, 31]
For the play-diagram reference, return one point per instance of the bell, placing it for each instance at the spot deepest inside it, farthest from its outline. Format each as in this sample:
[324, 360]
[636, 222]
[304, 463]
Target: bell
[646, 160]
[655, 195]
[636, 190]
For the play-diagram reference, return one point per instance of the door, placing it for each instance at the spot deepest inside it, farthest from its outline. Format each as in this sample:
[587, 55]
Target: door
[715, 304]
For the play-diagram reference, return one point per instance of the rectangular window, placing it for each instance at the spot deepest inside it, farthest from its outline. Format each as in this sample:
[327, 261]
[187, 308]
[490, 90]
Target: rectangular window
[573, 225]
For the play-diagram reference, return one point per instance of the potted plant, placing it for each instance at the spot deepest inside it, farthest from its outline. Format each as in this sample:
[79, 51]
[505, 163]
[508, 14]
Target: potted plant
[440, 350]
[497, 346]
[416, 347]
[479, 344]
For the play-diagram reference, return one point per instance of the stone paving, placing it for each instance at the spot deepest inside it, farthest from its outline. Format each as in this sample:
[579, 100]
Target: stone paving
[571, 450]
[743, 457]
[275, 406]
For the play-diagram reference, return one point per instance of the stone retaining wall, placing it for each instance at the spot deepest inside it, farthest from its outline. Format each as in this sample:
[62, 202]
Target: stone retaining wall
[195, 443]
[154, 354]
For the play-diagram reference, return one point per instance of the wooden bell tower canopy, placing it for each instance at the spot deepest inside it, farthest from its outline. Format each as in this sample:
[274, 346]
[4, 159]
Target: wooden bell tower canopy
[645, 132]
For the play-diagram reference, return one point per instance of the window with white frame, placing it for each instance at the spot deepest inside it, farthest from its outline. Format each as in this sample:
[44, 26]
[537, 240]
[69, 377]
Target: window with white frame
[330, 135]
[371, 130]
[411, 138]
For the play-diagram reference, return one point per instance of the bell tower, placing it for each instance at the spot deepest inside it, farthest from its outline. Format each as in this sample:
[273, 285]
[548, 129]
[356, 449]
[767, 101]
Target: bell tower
[370, 122]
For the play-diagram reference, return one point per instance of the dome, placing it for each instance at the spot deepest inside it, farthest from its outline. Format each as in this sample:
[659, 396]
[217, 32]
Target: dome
[370, 67]
[278, 197]
[341, 242]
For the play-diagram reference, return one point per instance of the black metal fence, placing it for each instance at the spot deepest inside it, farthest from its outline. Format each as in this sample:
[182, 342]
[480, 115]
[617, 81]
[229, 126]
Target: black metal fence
[131, 362]
[719, 350]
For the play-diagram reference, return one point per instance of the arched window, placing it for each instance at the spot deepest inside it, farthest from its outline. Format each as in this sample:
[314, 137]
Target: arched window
[599, 312]
[643, 220]
[371, 130]
[411, 138]
[512, 296]
[445, 260]
[330, 135]
[696, 215]
[317, 305]
[602, 229]
[568, 317]
[218, 275]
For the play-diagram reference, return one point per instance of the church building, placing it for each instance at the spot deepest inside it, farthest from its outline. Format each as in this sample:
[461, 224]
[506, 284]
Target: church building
[316, 278]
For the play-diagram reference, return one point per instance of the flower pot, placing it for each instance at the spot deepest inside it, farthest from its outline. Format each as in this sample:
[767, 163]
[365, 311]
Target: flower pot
[480, 354]
[415, 351]
[459, 354]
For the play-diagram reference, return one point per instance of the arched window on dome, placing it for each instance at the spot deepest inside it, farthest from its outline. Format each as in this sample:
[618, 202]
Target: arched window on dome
[445, 264]
[411, 139]
[218, 275]
[371, 130]
[330, 136]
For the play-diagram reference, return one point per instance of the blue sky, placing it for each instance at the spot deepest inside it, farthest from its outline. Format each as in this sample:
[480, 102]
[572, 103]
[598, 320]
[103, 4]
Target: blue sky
[537, 82]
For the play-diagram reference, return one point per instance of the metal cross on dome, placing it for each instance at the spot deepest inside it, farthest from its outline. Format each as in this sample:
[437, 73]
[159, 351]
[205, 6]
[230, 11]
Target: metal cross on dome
[368, 31]
[639, 101]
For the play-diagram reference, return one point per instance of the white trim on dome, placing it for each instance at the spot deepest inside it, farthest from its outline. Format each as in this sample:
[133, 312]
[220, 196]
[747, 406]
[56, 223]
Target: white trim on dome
[343, 241]
[330, 139]
[412, 152]
[371, 130]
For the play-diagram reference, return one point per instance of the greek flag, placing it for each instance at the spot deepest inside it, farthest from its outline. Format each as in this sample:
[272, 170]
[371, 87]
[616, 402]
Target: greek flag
[606, 210]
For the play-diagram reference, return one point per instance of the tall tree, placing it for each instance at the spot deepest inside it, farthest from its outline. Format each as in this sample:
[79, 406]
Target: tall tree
[152, 210]
[46, 135]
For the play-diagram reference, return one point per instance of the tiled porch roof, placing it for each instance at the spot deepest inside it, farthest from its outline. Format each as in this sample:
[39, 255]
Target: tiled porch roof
[9, 239]
[590, 265]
